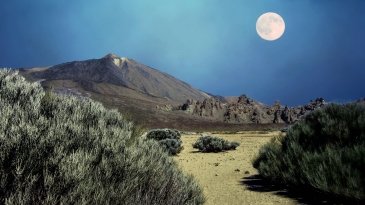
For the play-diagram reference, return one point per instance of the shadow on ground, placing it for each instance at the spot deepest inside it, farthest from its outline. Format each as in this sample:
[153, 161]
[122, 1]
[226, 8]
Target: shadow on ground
[301, 195]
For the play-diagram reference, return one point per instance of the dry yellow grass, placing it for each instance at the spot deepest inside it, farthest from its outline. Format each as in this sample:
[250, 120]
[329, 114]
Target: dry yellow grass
[221, 174]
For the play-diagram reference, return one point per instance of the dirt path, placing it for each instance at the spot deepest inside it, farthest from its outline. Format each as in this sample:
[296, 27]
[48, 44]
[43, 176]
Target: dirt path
[222, 174]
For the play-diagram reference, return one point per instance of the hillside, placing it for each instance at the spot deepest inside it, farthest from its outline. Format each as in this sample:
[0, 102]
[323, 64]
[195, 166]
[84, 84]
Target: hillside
[112, 70]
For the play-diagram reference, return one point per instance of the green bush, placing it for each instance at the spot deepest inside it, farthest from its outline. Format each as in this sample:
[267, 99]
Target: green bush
[325, 151]
[168, 138]
[214, 144]
[63, 150]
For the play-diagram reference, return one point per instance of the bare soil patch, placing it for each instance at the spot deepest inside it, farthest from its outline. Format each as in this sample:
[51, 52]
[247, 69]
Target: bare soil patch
[225, 177]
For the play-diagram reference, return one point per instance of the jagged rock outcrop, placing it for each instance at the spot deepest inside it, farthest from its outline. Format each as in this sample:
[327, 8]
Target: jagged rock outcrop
[290, 115]
[209, 107]
[247, 110]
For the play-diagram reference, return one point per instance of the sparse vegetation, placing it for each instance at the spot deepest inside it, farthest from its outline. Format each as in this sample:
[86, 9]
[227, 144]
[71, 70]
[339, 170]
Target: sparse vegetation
[214, 144]
[325, 151]
[168, 138]
[64, 150]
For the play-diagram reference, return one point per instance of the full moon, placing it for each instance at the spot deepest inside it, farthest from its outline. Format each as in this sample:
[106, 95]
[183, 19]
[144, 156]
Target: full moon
[270, 26]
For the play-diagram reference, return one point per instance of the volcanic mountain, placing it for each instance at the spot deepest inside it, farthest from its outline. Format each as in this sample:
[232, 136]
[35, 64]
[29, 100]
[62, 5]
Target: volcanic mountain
[122, 72]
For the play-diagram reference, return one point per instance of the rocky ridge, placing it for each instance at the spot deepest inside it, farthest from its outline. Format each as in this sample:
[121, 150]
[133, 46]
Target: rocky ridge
[247, 110]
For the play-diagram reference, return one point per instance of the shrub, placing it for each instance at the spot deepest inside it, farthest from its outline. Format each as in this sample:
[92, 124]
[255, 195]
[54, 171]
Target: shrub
[168, 138]
[63, 150]
[325, 151]
[214, 144]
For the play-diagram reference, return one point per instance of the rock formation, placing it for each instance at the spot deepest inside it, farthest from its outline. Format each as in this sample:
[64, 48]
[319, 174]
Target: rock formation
[247, 110]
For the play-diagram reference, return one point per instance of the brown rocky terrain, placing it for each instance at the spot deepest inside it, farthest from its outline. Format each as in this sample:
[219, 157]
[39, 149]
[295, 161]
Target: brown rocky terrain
[247, 110]
[155, 99]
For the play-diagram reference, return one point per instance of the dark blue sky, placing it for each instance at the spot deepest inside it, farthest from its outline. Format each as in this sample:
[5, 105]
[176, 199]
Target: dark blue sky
[211, 44]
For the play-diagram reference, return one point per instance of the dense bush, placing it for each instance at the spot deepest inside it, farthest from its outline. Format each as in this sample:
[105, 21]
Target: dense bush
[168, 138]
[214, 144]
[64, 150]
[325, 151]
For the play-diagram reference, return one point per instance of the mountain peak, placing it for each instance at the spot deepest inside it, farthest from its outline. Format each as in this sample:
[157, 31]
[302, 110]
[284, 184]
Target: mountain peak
[111, 55]
[116, 59]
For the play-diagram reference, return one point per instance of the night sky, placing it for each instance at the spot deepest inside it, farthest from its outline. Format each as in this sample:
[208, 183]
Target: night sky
[211, 44]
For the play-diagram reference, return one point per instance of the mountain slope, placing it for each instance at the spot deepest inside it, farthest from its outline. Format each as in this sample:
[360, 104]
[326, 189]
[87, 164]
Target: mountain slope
[123, 72]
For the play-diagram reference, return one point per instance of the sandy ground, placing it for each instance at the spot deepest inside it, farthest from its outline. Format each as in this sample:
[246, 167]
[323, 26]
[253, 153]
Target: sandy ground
[222, 174]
